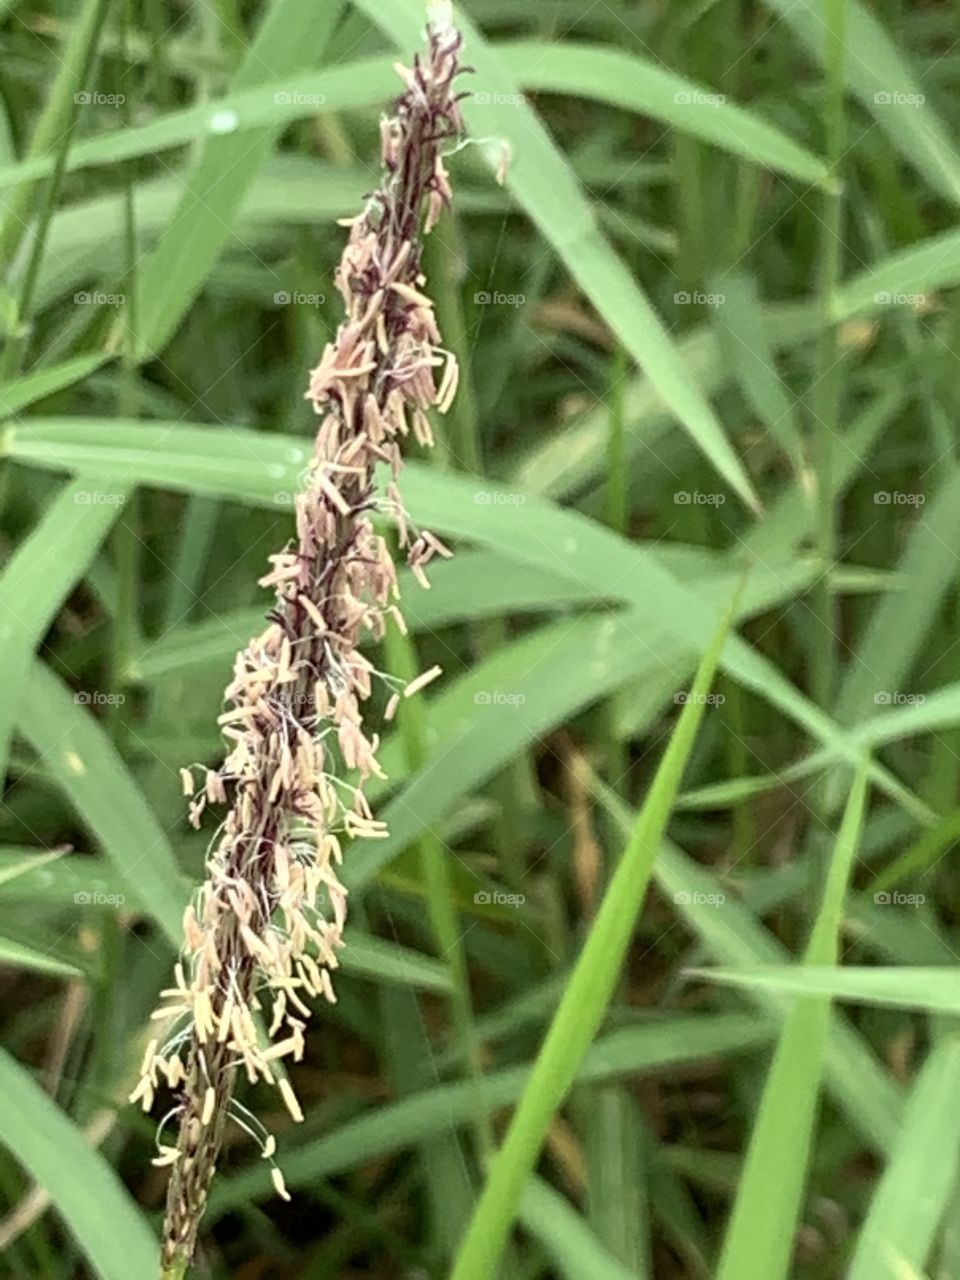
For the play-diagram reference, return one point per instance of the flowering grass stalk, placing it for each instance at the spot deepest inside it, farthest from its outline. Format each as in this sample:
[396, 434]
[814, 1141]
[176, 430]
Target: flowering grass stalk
[262, 936]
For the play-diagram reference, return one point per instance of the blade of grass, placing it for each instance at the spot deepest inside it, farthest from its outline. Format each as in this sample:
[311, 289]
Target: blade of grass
[932, 989]
[733, 935]
[262, 467]
[89, 1196]
[292, 35]
[638, 84]
[548, 190]
[586, 997]
[410, 1121]
[433, 860]
[758, 1244]
[25, 391]
[575, 1250]
[42, 572]
[907, 1207]
[87, 768]
[18, 955]
[902, 620]
[826, 394]
[746, 341]
[54, 122]
[881, 78]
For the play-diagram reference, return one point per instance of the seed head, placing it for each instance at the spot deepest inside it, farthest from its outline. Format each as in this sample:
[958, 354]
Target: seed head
[261, 937]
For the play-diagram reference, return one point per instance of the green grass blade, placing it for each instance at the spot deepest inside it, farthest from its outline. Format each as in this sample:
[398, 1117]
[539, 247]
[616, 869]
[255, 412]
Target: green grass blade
[43, 571]
[898, 1236]
[902, 620]
[663, 1042]
[263, 467]
[88, 1195]
[932, 989]
[876, 72]
[86, 767]
[25, 391]
[567, 1239]
[55, 120]
[745, 339]
[639, 84]
[586, 996]
[903, 278]
[19, 955]
[292, 35]
[758, 1244]
[734, 936]
[365, 83]
[385, 962]
[548, 190]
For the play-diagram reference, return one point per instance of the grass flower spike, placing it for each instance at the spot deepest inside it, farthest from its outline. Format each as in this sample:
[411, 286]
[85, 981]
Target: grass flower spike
[262, 936]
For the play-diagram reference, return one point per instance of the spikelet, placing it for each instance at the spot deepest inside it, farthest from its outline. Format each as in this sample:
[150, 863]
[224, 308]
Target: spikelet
[256, 940]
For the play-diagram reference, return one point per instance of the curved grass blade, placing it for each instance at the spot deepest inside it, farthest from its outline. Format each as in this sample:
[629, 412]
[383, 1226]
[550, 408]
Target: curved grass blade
[262, 468]
[931, 989]
[586, 996]
[903, 278]
[292, 35]
[18, 955]
[87, 1193]
[575, 1251]
[25, 391]
[758, 1244]
[882, 80]
[902, 619]
[365, 83]
[638, 84]
[42, 572]
[907, 1207]
[86, 767]
[412, 1120]
[549, 192]
[734, 936]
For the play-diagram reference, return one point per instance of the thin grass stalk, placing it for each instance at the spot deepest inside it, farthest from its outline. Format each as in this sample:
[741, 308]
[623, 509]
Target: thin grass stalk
[829, 369]
[262, 936]
[55, 121]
